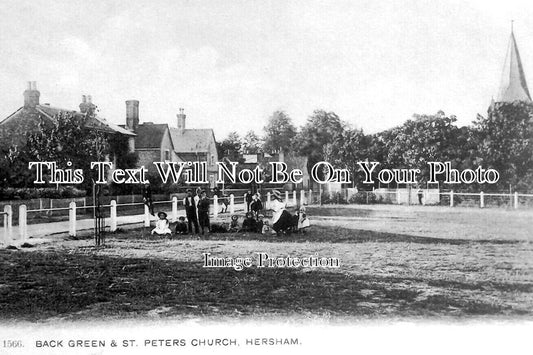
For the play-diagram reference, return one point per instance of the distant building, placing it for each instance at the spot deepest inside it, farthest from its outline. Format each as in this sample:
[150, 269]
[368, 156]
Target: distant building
[13, 129]
[161, 142]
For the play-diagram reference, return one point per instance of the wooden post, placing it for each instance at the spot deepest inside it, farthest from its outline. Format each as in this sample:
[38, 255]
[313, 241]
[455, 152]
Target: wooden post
[8, 224]
[215, 206]
[72, 219]
[268, 201]
[146, 216]
[287, 197]
[310, 198]
[174, 209]
[516, 200]
[23, 223]
[294, 200]
[302, 197]
[481, 199]
[231, 204]
[113, 216]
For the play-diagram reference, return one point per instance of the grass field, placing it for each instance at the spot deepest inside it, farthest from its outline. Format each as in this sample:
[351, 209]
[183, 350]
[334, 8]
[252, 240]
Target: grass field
[396, 263]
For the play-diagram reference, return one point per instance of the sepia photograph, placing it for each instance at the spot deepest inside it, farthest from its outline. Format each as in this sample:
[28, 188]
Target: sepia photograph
[266, 176]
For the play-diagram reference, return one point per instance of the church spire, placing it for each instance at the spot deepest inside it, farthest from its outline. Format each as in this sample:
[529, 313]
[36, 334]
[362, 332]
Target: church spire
[513, 86]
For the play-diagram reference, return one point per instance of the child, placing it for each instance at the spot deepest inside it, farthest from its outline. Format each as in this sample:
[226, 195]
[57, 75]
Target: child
[259, 224]
[234, 226]
[249, 224]
[181, 226]
[266, 227]
[256, 205]
[162, 225]
[303, 221]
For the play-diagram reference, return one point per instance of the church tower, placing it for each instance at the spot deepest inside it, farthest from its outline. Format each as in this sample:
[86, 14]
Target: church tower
[513, 86]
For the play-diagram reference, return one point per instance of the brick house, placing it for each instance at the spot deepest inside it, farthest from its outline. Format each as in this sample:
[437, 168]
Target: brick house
[161, 142]
[13, 129]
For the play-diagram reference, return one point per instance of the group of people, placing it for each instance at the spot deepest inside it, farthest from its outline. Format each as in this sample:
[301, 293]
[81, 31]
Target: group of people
[197, 213]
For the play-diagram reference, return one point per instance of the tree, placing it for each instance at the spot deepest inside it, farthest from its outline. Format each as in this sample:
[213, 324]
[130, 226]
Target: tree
[67, 138]
[230, 146]
[350, 147]
[251, 143]
[279, 132]
[504, 141]
[423, 139]
[322, 128]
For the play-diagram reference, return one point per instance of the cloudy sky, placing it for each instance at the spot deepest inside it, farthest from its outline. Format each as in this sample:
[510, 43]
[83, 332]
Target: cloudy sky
[230, 64]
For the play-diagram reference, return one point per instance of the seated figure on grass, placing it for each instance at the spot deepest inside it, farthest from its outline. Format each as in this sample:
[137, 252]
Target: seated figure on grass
[282, 221]
[162, 226]
[303, 221]
[181, 226]
[249, 223]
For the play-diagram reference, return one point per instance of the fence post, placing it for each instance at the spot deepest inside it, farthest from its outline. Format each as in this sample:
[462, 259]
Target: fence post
[174, 209]
[231, 204]
[302, 197]
[8, 224]
[146, 216]
[451, 198]
[23, 223]
[516, 200]
[481, 199]
[113, 216]
[310, 198]
[398, 196]
[72, 219]
[268, 201]
[294, 200]
[215, 206]
[287, 197]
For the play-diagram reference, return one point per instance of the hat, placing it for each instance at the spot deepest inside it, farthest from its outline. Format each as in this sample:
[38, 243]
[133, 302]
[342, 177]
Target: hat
[159, 214]
[302, 209]
[276, 194]
[260, 216]
[181, 218]
[234, 217]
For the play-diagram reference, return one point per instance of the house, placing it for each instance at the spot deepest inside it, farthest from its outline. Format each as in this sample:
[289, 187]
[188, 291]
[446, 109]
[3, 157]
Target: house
[13, 129]
[164, 143]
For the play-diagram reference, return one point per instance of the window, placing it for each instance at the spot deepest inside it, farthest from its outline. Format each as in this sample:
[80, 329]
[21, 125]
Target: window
[167, 155]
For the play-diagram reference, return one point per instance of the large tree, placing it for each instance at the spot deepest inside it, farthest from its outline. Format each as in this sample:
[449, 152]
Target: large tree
[279, 132]
[230, 147]
[321, 129]
[65, 139]
[504, 141]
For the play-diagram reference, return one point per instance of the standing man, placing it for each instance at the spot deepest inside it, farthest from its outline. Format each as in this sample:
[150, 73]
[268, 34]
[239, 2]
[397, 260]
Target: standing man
[147, 197]
[420, 194]
[203, 212]
[248, 198]
[190, 210]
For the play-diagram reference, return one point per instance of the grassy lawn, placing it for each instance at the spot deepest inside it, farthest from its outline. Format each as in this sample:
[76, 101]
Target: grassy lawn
[383, 275]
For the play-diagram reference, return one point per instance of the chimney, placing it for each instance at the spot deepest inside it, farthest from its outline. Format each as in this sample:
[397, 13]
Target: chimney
[132, 114]
[87, 105]
[31, 95]
[181, 120]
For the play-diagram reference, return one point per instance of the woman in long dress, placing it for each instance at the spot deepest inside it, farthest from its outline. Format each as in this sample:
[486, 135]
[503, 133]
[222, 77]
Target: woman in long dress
[281, 219]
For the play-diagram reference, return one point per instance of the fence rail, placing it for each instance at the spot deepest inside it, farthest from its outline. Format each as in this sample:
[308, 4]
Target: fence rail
[72, 213]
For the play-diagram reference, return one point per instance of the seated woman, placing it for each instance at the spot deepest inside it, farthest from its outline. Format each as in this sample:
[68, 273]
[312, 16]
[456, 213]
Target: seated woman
[281, 219]
[234, 225]
[162, 226]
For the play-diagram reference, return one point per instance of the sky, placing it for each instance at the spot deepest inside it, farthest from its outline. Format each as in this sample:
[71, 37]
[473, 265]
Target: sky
[231, 64]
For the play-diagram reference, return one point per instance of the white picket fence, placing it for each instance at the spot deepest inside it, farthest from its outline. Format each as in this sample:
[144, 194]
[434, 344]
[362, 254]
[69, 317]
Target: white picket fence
[234, 204]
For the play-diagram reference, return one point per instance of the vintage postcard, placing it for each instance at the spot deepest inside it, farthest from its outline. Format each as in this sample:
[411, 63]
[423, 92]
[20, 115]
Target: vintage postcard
[266, 177]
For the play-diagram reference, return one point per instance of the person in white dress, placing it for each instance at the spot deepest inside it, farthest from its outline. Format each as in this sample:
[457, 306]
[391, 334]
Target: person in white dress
[162, 226]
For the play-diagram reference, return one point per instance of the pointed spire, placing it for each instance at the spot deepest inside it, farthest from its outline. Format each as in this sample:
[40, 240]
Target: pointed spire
[513, 86]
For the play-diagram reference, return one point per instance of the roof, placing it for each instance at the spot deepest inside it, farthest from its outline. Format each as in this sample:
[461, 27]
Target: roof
[513, 86]
[149, 135]
[191, 140]
[50, 112]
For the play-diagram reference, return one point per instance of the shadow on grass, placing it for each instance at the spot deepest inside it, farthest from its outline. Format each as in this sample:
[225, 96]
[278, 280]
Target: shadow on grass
[323, 234]
[74, 285]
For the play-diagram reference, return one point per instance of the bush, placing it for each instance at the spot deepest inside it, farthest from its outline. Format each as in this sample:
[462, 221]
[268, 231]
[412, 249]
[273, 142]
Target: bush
[363, 197]
[333, 198]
